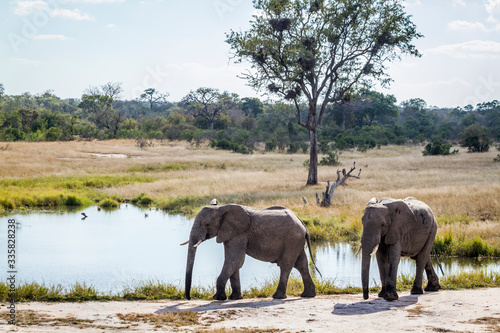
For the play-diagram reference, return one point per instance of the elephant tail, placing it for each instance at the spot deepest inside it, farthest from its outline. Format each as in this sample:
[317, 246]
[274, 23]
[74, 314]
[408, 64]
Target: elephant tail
[308, 239]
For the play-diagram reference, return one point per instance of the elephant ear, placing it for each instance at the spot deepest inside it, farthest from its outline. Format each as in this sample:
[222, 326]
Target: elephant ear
[234, 221]
[402, 219]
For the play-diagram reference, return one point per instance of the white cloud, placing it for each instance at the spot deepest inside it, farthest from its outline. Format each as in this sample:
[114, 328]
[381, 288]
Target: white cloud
[111, 26]
[466, 26]
[409, 3]
[24, 8]
[475, 49]
[22, 61]
[71, 14]
[50, 37]
[493, 10]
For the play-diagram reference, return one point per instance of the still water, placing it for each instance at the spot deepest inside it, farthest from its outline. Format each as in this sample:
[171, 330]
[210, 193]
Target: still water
[115, 249]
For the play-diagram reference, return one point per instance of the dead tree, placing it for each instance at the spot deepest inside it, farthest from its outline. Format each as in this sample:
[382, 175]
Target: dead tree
[328, 194]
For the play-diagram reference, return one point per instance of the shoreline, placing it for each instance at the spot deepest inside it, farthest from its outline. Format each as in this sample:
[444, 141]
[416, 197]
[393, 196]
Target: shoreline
[471, 310]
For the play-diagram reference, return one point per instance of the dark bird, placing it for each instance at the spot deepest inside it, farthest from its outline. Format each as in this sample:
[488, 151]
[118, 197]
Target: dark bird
[145, 215]
[84, 216]
[98, 208]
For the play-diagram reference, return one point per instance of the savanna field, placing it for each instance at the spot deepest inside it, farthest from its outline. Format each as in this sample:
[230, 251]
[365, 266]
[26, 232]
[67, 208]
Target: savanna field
[463, 191]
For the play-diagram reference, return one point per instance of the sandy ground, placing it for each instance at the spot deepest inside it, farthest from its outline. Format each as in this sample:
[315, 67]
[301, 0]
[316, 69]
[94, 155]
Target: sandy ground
[445, 311]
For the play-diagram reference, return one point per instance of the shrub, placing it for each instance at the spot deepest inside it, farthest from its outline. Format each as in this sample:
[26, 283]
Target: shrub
[332, 159]
[142, 199]
[437, 147]
[109, 203]
[475, 139]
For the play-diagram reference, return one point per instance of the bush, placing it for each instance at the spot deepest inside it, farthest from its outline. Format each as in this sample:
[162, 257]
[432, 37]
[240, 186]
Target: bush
[109, 203]
[437, 147]
[332, 159]
[142, 199]
[475, 139]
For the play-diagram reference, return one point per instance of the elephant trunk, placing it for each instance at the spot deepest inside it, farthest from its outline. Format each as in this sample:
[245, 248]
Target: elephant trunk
[365, 271]
[189, 267]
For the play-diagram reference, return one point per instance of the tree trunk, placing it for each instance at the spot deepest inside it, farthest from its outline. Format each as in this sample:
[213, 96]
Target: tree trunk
[312, 178]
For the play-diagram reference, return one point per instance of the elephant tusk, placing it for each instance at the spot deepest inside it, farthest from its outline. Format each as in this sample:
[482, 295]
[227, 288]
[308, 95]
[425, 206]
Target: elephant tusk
[184, 243]
[359, 249]
[375, 250]
[197, 244]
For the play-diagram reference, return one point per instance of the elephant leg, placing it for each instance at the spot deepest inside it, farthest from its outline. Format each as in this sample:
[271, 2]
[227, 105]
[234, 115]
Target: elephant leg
[417, 283]
[234, 257]
[432, 278]
[423, 261]
[394, 252]
[383, 268]
[302, 266]
[235, 286]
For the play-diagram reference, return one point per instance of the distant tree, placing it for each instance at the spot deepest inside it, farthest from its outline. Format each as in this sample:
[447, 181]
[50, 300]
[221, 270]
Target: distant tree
[314, 52]
[110, 89]
[252, 106]
[209, 103]
[99, 109]
[475, 138]
[152, 97]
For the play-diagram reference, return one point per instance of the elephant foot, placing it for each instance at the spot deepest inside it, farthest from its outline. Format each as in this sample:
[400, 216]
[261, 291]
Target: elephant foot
[391, 294]
[235, 296]
[279, 295]
[432, 287]
[220, 296]
[416, 290]
[308, 294]
[382, 293]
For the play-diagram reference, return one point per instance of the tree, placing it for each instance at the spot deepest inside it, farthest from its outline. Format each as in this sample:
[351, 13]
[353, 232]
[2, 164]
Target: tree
[315, 52]
[99, 109]
[208, 103]
[251, 106]
[475, 138]
[110, 89]
[152, 96]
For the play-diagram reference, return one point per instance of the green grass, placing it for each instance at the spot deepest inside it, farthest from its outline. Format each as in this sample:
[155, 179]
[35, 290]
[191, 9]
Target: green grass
[450, 245]
[59, 191]
[155, 290]
[158, 167]
[109, 203]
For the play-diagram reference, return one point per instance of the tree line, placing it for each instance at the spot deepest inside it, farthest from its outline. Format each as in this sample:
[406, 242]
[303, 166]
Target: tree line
[361, 121]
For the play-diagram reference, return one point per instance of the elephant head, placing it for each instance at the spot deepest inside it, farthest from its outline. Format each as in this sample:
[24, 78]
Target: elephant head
[385, 221]
[223, 222]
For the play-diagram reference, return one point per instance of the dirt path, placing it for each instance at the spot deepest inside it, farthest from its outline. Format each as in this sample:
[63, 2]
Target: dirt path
[445, 311]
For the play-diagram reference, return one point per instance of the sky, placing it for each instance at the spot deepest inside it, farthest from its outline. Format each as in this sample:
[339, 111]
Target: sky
[177, 46]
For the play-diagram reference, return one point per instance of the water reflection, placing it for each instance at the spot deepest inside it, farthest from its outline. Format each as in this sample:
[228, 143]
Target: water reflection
[111, 250]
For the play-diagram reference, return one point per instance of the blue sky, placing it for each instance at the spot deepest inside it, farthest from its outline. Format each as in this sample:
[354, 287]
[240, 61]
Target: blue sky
[176, 46]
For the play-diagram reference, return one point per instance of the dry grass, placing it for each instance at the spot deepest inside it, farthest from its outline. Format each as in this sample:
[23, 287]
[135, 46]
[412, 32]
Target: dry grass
[463, 190]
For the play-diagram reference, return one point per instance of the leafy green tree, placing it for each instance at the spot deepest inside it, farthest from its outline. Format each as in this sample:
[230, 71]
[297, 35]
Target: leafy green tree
[152, 97]
[475, 138]
[99, 109]
[252, 106]
[208, 103]
[314, 52]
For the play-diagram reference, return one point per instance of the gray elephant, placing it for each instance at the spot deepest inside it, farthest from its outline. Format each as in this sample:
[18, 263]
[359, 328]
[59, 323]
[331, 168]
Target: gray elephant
[274, 234]
[398, 228]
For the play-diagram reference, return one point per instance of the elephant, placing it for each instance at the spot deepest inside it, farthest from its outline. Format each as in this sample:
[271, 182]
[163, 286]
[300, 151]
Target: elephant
[273, 234]
[393, 228]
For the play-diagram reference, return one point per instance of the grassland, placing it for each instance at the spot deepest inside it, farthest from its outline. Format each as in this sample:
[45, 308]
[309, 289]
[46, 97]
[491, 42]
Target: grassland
[463, 190]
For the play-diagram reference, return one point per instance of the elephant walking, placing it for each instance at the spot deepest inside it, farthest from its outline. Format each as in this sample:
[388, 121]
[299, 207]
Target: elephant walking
[398, 228]
[273, 234]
